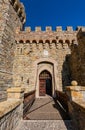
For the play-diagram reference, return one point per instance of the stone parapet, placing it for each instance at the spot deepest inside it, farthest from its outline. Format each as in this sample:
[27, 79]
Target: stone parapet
[7, 106]
[12, 109]
[48, 35]
[15, 93]
[76, 104]
[29, 98]
[10, 114]
[58, 29]
[75, 92]
[77, 113]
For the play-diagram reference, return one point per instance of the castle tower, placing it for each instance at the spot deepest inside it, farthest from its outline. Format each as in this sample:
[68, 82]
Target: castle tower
[12, 15]
[42, 59]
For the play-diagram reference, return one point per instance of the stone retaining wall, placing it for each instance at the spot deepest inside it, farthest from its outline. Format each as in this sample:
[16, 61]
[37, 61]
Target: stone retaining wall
[76, 104]
[73, 101]
[10, 114]
[77, 113]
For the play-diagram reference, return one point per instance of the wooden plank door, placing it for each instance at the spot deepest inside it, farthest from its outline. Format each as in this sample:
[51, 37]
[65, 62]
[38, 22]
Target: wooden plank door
[42, 89]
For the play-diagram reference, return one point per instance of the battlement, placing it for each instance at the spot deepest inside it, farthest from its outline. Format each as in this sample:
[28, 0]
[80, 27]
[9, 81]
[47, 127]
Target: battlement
[49, 29]
[81, 34]
[68, 36]
[19, 8]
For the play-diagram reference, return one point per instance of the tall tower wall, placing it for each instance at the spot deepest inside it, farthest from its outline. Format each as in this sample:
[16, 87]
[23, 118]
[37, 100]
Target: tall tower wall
[11, 16]
[77, 60]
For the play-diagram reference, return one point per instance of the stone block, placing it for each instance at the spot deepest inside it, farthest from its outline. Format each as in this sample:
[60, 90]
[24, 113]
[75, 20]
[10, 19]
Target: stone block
[17, 30]
[74, 92]
[15, 93]
[37, 29]
[59, 29]
[69, 28]
[83, 29]
[28, 29]
[48, 28]
[10, 114]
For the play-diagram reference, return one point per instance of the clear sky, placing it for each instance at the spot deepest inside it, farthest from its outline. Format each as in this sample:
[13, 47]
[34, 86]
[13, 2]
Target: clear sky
[54, 13]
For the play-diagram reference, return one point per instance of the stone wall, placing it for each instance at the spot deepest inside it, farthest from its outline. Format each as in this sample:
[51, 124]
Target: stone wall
[77, 58]
[9, 20]
[63, 99]
[73, 101]
[77, 113]
[11, 110]
[10, 114]
[76, 105]
[75, 63]
[43, 50]
[81, 41]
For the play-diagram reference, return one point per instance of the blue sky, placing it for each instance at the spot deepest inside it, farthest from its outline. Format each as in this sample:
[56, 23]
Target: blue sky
[54, 13]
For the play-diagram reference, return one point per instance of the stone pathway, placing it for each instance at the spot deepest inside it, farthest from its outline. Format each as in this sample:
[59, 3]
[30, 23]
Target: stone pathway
[45, 125]
[46, 109]
[45, 114]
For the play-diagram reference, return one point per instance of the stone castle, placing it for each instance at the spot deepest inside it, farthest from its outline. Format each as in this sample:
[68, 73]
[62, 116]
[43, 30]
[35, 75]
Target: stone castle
[34, 60]
[43, 50]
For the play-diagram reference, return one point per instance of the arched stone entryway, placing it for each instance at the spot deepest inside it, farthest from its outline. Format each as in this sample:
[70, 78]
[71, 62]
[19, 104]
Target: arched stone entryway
[52, 67]
[45, 83]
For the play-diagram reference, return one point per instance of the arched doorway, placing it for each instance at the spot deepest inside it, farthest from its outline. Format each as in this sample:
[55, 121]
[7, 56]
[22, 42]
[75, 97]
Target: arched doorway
[45, 83]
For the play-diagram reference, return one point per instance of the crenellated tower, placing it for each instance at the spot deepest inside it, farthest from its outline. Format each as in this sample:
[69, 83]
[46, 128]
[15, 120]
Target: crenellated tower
[12, 15]
[43, 50]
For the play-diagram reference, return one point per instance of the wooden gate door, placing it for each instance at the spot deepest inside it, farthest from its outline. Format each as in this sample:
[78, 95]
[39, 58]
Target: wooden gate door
[42, 90]
[43, 77]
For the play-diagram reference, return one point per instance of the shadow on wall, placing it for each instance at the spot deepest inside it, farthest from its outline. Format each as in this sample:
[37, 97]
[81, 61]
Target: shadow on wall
[77, 59]
[81, 56]
[66, 73]
[74, 110]
[73, 66]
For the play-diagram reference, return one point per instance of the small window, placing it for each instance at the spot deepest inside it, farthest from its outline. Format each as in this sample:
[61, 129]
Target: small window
[21, 78]
[21, 51]
[27, 81]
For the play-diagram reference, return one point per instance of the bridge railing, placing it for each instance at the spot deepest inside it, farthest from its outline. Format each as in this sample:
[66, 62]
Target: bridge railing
[76, 104]
[73, 101]
[11, 109]
[63, 99]
[28, 101]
